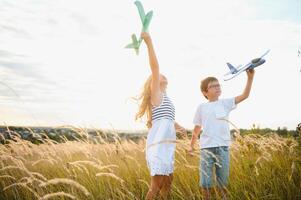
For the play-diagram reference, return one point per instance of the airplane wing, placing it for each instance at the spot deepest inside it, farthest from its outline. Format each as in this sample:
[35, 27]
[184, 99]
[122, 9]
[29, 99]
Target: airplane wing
[140, 10]
[228, 73]
[230, 76]
[147, 21]
[265, 53]
[239, 67]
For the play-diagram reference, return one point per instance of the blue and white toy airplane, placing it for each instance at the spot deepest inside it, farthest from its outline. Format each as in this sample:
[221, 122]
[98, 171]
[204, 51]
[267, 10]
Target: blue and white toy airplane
[145, 20]
[236, 71]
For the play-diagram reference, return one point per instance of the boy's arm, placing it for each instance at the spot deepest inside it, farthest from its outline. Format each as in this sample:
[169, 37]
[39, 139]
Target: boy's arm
[246, 92]
[154, 65]
[195, 135]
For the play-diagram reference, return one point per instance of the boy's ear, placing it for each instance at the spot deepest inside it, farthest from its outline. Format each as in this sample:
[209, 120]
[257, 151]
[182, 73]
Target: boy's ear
[205, 94]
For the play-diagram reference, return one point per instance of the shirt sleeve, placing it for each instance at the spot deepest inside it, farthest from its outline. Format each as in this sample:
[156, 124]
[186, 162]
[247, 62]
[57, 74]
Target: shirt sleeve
[197, 120]
[229, 104]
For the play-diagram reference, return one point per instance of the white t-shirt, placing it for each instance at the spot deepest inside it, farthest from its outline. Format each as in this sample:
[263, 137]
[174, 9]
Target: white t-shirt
[210, 115]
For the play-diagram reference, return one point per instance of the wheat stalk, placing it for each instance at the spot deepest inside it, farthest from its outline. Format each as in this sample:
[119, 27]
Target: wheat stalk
[56, 195]
[66, 181]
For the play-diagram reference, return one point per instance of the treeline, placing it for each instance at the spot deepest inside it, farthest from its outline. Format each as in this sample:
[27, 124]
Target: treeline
[281, 131]
[61, 134]
[39, 135]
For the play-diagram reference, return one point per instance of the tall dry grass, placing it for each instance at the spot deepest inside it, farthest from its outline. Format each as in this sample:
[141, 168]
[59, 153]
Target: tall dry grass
[261, 168]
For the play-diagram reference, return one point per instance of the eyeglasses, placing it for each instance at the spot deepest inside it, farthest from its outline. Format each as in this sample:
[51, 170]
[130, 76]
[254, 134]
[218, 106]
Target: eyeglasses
[214, 86]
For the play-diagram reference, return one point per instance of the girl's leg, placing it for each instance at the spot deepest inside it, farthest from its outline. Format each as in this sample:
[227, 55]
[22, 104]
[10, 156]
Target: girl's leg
[166, 187]
[155, 187]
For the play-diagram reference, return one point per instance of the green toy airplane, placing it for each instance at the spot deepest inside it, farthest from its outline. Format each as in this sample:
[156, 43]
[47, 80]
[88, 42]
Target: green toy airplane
[145, 19]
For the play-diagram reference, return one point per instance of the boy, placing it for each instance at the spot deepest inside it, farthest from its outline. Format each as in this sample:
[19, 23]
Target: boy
[215, 138]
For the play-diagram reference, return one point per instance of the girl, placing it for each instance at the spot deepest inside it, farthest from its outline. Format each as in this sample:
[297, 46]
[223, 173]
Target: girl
[160, 113]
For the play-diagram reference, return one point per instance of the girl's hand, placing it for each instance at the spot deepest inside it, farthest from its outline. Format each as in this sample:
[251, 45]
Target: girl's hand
[182, 131]
[146, 37]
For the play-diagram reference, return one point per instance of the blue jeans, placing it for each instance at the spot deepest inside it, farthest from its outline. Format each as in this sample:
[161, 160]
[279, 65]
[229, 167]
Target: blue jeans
[218, 157]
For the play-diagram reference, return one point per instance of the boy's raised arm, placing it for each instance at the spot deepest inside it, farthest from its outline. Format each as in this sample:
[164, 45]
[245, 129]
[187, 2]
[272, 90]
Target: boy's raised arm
[246, 92]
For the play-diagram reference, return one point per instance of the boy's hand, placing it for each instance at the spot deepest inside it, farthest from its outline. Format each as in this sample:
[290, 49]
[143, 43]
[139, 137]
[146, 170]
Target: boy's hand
[250, 73]
[190, 151]
[146, 37]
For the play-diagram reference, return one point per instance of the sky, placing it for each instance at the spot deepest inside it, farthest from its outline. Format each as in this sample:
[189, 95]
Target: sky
[64, 62]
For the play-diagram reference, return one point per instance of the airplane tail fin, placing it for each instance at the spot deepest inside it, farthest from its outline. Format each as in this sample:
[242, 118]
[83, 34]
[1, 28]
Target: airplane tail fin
[233, 70]
[134, 45]
[147, 20]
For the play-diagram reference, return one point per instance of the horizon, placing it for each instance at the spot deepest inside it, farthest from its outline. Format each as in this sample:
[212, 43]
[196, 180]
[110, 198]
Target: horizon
[131, 130]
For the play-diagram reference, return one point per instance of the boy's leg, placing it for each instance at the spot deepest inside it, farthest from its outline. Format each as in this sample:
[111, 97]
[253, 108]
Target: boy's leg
[206, 165]
[222, 170]
[206, 192]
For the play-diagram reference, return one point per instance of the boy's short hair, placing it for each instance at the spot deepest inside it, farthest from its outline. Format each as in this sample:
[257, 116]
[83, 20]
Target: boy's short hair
[205, 82]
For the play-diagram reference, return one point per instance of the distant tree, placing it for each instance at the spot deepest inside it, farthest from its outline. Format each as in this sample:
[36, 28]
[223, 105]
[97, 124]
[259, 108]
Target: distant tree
[282, 132]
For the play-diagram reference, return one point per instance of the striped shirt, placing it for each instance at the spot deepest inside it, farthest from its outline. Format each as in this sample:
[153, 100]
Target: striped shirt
[166, 110]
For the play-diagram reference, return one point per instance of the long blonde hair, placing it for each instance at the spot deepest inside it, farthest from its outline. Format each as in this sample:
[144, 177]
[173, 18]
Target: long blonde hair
[145, 106]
